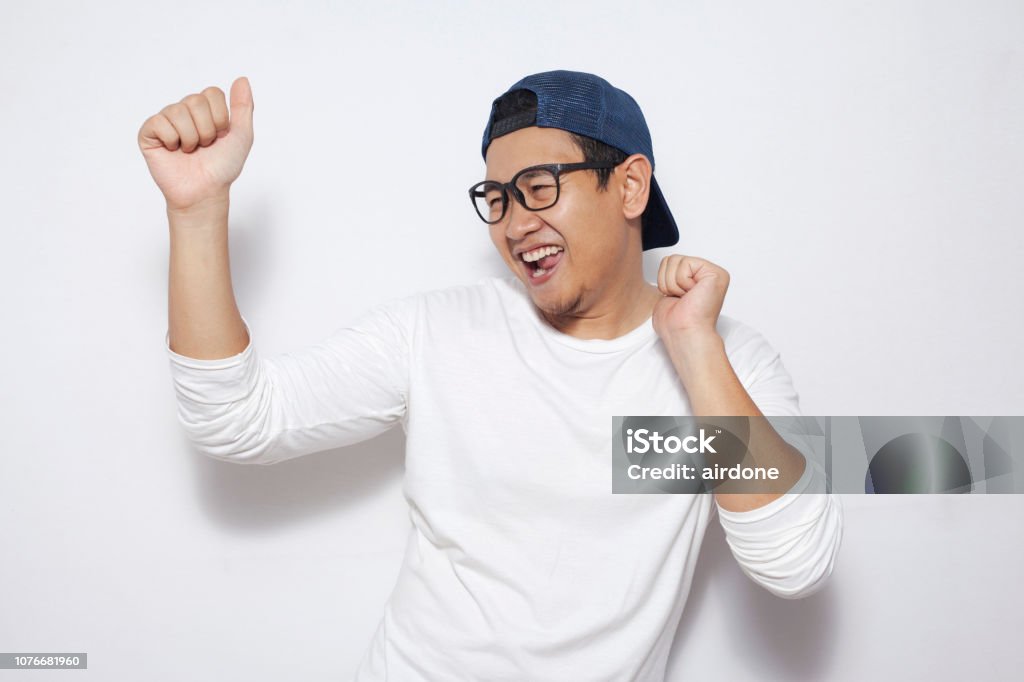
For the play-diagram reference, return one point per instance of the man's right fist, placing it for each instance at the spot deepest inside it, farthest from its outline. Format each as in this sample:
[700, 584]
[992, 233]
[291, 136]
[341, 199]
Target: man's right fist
[193, 149]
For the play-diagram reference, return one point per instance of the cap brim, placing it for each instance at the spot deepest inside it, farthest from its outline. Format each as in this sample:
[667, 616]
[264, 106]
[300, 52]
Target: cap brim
[659, 227]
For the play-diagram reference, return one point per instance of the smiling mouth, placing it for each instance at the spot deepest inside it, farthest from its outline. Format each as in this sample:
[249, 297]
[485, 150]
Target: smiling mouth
[539, 263]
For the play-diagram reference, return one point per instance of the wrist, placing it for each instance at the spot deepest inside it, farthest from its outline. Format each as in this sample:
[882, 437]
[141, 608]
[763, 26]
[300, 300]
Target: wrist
[212, 202]
[693, 339]
[209, 211]
[696, 354]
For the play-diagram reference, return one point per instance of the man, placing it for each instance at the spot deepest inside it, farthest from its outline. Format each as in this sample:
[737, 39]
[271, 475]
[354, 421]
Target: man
[521, 564]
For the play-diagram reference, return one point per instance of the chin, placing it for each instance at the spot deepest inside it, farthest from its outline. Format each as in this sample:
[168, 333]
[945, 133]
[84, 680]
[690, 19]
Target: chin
[558, 304]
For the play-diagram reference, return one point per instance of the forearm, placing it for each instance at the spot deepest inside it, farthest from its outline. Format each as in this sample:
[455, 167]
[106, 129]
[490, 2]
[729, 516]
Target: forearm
[203, 317]
[714, 390]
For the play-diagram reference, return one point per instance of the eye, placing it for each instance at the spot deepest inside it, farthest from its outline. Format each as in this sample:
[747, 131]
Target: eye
[539, 187]
[541, 194]
[492, 196]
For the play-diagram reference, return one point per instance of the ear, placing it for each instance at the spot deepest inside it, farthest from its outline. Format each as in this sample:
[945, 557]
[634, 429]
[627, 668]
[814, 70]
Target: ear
[636, 174]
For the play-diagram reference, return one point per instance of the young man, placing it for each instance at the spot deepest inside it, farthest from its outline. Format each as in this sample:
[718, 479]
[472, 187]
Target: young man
[521, 563]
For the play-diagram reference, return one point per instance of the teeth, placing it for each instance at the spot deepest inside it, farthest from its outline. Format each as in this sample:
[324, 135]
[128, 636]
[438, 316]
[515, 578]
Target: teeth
[538, 272]
[537, 254]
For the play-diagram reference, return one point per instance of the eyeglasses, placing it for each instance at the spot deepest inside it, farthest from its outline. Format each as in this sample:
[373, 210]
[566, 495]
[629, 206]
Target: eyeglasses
[535, 188]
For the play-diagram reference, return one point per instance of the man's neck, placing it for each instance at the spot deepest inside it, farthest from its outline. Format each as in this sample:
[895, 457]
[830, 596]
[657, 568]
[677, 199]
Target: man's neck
[621, 312]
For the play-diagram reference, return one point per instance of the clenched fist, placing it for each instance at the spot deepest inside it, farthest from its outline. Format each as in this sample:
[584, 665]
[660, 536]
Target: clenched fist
[694, 291]
[195, 148]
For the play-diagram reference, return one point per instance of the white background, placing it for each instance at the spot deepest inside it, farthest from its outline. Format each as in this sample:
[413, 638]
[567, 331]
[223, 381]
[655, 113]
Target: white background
[856, 166]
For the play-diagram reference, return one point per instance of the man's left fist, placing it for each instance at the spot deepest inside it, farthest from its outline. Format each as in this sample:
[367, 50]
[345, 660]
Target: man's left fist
[694, 290]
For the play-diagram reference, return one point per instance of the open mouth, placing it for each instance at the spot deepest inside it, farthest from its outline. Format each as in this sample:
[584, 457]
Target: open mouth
[541, 262]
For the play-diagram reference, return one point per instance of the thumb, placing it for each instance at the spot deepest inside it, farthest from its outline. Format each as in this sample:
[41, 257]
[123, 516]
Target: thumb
[241, 105]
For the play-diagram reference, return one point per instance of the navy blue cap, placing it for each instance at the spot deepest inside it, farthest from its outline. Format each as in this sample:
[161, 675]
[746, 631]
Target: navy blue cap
[586, 104]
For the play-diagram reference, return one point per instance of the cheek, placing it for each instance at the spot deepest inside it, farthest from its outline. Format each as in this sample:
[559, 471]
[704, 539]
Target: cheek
[590, 234]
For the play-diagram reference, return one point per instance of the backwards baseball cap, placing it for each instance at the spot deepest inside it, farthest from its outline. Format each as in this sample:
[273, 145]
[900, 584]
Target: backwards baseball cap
[588, 105]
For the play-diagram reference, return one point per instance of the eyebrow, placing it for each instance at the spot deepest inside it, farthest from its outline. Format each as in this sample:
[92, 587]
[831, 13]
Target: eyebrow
[525, 175]
[532, 173]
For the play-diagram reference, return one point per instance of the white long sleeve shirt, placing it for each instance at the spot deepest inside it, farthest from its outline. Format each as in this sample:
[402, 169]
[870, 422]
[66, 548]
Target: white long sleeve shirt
[521, 563]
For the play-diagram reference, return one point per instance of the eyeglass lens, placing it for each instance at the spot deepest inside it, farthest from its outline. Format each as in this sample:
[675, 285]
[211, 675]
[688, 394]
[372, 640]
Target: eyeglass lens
[538, 188]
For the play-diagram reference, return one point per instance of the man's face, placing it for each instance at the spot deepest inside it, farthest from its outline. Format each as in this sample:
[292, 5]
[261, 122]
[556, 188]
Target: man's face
[586, 225]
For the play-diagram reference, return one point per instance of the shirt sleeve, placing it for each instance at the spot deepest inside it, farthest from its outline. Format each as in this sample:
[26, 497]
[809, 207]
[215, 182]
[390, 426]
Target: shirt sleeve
[788, 546]
[351, 386]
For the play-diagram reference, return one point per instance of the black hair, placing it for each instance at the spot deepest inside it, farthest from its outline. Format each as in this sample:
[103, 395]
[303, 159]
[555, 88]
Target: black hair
[518, 109]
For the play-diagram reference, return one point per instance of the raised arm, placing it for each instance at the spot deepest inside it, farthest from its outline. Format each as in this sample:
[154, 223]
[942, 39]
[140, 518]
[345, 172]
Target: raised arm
[234, 405]
[195, 148]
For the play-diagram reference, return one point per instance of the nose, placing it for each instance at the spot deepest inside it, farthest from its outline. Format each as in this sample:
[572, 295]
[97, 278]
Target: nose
[520, 221]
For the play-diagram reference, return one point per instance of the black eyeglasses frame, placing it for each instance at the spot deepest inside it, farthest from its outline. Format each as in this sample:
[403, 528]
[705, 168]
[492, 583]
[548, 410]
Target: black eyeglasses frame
[556, 169]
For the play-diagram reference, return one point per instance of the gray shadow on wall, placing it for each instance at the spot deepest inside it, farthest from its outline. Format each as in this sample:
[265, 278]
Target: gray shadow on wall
[254, 498]
[775, 638]
[252, 227]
